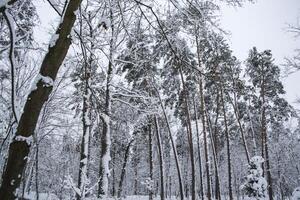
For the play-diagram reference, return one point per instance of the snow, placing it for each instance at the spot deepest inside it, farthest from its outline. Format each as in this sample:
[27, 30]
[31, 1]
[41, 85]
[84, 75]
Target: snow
[47, 82]
[42, 196]
[21, 138]
[3, 3]
[53, 40]
[296, 194]
[51, 196]
[255, 186]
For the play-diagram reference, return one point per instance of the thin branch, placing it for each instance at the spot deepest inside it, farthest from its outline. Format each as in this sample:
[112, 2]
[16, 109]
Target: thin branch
[10, 24]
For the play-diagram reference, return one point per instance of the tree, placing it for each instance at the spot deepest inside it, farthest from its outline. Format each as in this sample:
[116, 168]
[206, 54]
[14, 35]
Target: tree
[20, 147]
[265, 79]
[255, 186]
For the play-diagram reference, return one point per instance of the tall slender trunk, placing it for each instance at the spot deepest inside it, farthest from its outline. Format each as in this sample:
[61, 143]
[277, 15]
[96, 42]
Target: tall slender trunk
[203, 120]
[252, 131]
[202, 111]
[228, 147]
[37, 169]
[150, 162]
[84, 147]
[123, 171]
[190, 134]
[236, 113]
[199, 152]
[181, 190]
[19, 148]
[105, 141]
[265, 148]
[82, 177]
[105, 137]
[161, 160]
[216, 168]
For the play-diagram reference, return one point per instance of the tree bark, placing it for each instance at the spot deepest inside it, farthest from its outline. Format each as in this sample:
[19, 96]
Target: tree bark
[265, 148]
[213, 143]
[123, 171]
[189, 133]
[20, 146]
[199, 152]
[161, 160]
[150, 162]
[202, 111]
[181, 190]
[228, 148]
[105, 137]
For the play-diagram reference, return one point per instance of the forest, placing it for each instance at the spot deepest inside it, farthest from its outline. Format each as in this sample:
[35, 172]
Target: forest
[141, 99]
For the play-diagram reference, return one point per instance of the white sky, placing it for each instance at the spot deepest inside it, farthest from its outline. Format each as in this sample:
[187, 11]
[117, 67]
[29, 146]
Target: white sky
[263, 24]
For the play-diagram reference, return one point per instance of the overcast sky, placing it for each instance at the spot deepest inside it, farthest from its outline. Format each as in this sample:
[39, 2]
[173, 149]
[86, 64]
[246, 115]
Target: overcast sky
[263, 24]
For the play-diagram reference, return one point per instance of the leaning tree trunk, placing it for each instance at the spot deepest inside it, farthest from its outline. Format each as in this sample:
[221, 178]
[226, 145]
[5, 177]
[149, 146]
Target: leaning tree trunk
[123, 171]
[236, 113]
[20, 146]
[161, 160]
[173, 146]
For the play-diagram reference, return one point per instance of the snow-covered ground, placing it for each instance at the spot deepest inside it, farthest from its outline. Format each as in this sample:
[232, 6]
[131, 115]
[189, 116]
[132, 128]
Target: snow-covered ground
[45, 196]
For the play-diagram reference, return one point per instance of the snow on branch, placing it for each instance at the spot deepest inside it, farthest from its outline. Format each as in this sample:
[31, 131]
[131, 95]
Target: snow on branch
[28, 140]
[46, 80]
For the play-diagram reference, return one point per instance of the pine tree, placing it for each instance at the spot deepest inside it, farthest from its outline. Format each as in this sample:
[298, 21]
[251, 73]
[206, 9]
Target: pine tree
[255, 186]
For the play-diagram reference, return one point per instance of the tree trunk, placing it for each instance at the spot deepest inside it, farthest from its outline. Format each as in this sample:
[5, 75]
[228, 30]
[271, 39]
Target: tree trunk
[20, 146]
[190, 134]
[217, 178]
[181, 191]
[161, 160]
[199, 152]
[265, 148]
[105, 137]
[150, 163]
[202, 111]
[123, 171]
[82, 177]
[236, 113]
[228, 148]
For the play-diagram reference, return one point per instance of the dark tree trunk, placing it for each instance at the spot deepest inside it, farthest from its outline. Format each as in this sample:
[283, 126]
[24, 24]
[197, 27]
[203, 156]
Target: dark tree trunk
[199, 152]
[265, 148]
[202, 112]
[213, 146]
[161, 160]
[150, 162]
[123, 171]
[105, 137]
[19, 148]
[228, 148]
[189, 134]
[173, 148]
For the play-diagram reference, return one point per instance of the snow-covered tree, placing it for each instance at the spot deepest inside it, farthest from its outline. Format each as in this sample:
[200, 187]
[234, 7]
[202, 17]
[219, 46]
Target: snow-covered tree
[255, 186]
